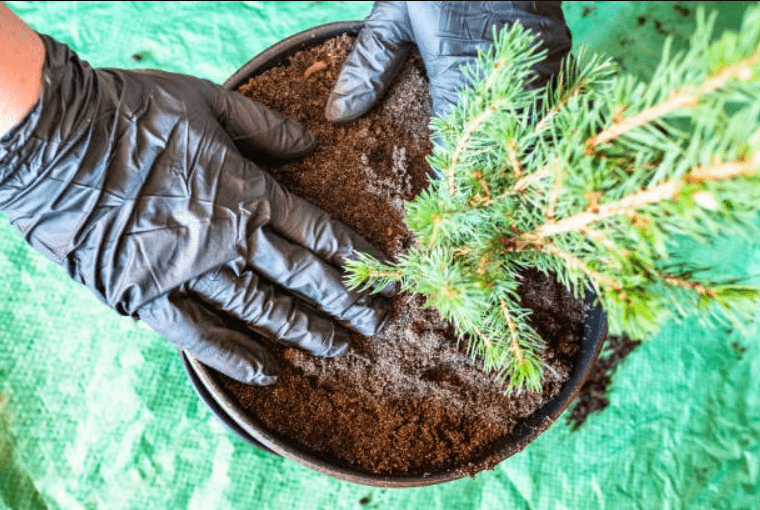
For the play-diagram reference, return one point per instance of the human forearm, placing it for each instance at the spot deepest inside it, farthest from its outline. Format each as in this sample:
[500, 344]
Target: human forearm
[22, 55]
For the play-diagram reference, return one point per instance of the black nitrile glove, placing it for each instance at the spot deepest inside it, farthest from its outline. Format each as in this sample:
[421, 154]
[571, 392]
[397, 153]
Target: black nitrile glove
[132, 181]
[448, 36]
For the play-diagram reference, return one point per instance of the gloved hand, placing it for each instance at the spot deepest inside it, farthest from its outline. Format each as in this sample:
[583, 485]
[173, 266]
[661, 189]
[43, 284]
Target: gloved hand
[134, 183]
[448, 36]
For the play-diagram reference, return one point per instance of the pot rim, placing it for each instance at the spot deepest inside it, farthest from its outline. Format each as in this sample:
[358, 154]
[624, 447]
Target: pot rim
[225, 408]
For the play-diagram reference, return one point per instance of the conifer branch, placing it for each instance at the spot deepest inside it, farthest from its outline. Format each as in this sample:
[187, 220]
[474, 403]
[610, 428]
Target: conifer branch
[465, 138]
[686, 97]
[540, 125]
[485, 198]
[628, 205]
[555, 192]
[744, 167]
[529, 180]
[698, 288]
[514, 340]
[489, 82]
[395, 275]
[513, 161]
[578, 264]
[604, 241]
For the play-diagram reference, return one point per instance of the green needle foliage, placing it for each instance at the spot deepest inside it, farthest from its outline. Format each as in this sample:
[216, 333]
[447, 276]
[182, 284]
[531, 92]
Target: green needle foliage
[596, 179]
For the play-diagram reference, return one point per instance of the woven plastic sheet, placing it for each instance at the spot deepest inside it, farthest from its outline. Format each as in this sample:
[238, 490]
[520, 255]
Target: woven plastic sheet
[96, 411]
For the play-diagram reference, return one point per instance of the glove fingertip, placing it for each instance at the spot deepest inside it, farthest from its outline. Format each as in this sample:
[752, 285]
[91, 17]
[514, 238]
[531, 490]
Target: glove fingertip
[338, 345]
[257, 128]
[264, 380]
[389, 290]
[298, 141]
[366, 75]
[383, 322]
[342, 108]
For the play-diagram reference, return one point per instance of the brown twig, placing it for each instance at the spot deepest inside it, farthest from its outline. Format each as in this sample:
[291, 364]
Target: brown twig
[528, 180]
[649, 196]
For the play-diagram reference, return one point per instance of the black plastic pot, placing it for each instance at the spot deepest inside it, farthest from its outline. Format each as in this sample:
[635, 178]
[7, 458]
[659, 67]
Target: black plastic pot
[225, 407]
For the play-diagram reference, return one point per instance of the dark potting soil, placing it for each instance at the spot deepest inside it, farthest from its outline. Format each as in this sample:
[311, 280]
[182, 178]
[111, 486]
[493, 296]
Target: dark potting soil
[592, 397]
[408, 401]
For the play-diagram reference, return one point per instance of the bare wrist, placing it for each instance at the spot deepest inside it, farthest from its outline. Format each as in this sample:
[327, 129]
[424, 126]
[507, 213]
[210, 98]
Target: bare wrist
[22, 56]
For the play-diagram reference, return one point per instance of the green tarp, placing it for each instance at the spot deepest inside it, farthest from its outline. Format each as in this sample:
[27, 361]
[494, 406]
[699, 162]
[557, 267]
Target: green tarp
[96, 411]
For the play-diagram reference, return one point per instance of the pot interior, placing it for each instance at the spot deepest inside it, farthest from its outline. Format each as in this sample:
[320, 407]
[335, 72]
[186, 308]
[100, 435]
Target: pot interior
[225, 407]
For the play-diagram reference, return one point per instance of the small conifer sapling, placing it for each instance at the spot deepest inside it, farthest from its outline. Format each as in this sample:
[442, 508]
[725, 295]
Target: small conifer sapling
[597, 179]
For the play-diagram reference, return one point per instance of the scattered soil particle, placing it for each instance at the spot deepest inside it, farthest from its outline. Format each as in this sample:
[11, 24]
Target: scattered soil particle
[409, 401]
[739, 349]
[683, 11]
[660, 30]
[592, 397]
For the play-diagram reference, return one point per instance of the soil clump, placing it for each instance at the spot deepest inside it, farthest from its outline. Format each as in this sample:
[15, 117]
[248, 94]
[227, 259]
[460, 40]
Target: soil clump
[592, 398]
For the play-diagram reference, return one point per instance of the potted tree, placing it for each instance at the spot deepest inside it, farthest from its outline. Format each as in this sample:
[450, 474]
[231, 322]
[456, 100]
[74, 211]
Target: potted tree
[595, 181]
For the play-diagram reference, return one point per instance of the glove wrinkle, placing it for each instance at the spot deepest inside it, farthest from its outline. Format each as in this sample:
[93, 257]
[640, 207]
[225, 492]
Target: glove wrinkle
[131, 181]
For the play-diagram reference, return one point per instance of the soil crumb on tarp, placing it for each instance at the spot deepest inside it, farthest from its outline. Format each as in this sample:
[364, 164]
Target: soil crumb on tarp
[408, 401]
[592, 398]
